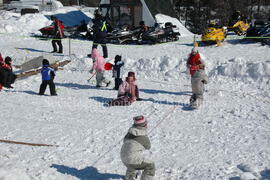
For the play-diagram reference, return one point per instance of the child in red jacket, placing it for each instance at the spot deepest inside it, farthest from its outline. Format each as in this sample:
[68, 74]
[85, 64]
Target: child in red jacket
[6, 73]
[198, 77]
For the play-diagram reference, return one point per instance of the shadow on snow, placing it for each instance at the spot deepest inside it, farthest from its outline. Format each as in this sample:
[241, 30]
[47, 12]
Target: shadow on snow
[88, 173]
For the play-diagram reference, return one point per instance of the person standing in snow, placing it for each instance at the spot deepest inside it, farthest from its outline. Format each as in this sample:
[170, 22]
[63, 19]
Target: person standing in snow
[196, 68]
[6, 73]
[136, 142]
[100, 29]
[48, 75]
[117, 72]
[58, 35]
[98, 67]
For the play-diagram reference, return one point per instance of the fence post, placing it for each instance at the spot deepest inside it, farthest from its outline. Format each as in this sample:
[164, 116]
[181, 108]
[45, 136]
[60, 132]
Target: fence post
[69, 47]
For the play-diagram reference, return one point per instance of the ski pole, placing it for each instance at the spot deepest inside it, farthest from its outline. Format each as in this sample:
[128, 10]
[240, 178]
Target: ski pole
[92, 76]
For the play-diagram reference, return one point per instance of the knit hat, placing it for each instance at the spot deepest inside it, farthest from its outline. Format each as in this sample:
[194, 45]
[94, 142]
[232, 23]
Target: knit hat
[45, 62]
[194, 50]
[8, 60]
[131, 74]
[118, 58]
[140, 121]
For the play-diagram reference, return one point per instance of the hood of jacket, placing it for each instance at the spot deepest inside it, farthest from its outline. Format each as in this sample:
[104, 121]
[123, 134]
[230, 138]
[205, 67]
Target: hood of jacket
[138, 131]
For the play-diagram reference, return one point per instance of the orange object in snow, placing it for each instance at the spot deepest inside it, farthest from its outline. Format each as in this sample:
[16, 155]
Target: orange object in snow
[108, 66]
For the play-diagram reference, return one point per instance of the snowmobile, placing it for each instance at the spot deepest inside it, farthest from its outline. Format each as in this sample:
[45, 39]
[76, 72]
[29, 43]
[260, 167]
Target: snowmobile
[238, 23]
[72, 31]
[160, 35]
[214, 34]
[260, 31]
[240, 27]
[123, 35]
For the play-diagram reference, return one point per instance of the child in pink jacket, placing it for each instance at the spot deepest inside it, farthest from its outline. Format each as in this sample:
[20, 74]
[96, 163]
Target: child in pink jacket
[129, 88]
[98, 67]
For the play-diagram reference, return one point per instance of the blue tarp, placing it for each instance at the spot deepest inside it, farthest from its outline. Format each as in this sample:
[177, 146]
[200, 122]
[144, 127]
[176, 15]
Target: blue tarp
[72, 18]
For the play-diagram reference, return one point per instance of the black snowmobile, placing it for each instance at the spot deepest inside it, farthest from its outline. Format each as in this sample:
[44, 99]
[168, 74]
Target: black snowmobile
[123, 35]
[260, 31]
[160, 35]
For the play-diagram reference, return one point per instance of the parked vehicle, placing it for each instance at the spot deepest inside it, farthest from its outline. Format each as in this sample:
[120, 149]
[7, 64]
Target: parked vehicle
[214, 34]
[259, 31]
[159, 35]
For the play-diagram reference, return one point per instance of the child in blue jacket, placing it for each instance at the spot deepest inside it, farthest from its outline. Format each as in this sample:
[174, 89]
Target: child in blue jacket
[117, 71]
[48, 75]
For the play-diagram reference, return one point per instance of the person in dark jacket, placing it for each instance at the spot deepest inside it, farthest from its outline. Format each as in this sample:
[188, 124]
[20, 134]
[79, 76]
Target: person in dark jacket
[7, 77]
[136, 142]
[117, 72]
[100, 29]
[58, 35]
[48, 75]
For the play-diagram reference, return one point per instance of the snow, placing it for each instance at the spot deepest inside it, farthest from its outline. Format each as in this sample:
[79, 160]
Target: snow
[227, 138]
[161, 18]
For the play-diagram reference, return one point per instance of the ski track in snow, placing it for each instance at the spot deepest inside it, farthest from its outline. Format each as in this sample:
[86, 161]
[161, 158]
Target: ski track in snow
[231, 128]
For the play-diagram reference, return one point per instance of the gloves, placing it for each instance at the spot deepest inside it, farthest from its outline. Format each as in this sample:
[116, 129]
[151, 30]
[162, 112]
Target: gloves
[91, 71]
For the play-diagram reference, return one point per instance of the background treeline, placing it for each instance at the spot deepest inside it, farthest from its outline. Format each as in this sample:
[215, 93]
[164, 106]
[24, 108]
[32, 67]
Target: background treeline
[196, 14]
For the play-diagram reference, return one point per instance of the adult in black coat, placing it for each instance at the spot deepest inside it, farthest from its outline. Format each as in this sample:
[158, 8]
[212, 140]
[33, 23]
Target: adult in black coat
[100, 29]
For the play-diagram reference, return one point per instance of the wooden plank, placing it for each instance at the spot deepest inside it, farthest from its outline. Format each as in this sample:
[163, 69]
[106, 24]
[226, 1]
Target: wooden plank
[37, 71]
[25, 143]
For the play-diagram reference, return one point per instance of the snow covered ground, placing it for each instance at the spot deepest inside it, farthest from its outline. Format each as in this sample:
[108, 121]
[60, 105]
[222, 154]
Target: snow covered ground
[227, 138]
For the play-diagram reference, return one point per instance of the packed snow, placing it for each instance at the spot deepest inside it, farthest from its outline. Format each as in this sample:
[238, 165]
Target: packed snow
[227, 138]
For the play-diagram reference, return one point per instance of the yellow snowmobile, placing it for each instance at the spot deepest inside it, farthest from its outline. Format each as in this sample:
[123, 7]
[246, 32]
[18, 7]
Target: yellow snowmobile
[238, 23]
[240, 27]
[214, 34]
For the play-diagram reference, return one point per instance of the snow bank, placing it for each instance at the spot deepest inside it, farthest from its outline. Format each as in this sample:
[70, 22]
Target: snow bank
[161, 18]
[28, 23]
[164, 67]
[241, 69]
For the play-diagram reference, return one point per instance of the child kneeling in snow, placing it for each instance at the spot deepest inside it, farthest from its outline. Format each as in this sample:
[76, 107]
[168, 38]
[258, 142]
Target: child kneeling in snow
[48, 75]
[98, 67]
[7, 77]
[135, 143]
[198, 77]
[128, 92]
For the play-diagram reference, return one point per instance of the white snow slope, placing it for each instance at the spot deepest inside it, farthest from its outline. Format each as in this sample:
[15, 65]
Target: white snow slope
[227, 138]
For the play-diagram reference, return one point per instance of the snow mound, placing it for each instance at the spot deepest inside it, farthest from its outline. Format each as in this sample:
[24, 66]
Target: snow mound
[79, 64]
[167, 67]
[161, 18]
[239, 68]
[28, 23]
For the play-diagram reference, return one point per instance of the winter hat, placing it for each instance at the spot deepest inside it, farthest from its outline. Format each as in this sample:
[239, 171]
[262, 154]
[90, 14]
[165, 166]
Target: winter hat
[45, 62]
[8, 60]
[118, 58]
[53, 18]
[131, 74]
[140, 121]
[194, 50]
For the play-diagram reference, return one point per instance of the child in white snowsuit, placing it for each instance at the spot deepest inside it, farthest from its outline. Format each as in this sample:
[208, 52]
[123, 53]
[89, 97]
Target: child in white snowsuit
[135, 143]
[198, 77]
[197, 84]
[98, 66]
